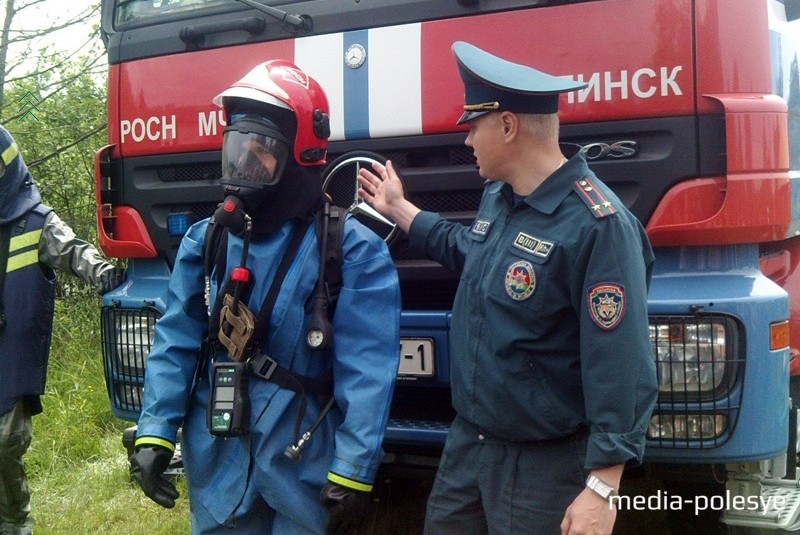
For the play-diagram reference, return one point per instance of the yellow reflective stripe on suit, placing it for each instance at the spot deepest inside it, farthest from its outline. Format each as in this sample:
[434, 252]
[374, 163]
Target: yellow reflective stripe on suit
[19, 258]
[10, 153]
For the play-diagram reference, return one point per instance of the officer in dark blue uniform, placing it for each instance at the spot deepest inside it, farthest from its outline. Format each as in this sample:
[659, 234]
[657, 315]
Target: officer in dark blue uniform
[552, 375]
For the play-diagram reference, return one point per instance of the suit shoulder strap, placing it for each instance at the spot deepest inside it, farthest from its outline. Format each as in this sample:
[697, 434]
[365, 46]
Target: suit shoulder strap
[332, 255]
[215, 248]
[215, 255]
[41, 209]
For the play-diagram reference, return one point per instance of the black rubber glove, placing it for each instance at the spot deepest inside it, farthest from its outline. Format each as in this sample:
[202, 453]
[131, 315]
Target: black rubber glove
[348, 508]
[110, 279]
[147, 467]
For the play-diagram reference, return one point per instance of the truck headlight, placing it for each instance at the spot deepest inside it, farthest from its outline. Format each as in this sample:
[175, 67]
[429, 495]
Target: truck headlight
[127, 337]
[687, 426]
[134, 337]
[129, 394]
[693, 355]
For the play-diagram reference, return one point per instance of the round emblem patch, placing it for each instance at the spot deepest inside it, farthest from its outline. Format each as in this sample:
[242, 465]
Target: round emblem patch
[606, 304]
[520, 280]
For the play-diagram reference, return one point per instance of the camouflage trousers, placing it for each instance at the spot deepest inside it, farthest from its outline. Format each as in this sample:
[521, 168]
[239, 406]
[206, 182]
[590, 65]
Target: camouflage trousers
[15, 437]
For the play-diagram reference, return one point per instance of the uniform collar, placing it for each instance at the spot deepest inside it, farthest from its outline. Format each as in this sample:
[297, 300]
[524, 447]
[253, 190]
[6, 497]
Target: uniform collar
[550, 193]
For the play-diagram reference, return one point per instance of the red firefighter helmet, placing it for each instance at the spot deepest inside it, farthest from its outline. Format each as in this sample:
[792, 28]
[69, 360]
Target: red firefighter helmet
[282, 84]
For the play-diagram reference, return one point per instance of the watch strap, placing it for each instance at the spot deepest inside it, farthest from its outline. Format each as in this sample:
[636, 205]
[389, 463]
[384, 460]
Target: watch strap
[603, 489]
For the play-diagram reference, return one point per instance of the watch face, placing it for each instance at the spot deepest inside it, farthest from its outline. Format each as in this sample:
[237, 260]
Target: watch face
[355, 56]
[315, 338]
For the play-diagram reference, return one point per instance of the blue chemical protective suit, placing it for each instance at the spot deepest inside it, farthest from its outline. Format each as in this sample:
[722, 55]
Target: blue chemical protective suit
[228, 477]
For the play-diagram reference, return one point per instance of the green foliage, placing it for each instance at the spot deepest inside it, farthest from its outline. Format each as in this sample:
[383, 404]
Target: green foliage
[77, 466]
[59, 139]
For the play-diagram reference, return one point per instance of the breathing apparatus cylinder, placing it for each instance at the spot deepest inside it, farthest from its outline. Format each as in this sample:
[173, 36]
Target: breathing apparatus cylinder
[320, 332]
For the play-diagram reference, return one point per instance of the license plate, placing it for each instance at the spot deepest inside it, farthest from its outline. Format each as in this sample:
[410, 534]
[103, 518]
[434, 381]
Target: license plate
[416, 357]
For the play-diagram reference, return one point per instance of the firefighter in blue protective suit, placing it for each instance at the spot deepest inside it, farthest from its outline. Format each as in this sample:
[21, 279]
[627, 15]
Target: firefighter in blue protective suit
[247, 481]
[34, 242]
[552, 374]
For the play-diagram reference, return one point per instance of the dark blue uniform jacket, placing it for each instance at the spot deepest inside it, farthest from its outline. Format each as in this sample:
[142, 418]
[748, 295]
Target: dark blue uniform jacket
[549, 333]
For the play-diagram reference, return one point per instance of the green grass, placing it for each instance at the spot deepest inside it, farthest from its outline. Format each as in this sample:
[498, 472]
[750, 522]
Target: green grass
[77, 466]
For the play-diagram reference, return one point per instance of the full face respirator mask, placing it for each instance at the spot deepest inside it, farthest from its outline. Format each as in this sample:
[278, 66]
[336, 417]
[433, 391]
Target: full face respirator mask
[254, 157]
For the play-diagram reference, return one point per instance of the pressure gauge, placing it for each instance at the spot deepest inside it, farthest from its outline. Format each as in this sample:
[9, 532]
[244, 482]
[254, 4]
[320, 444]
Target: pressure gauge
[315, 338]
[320, 333]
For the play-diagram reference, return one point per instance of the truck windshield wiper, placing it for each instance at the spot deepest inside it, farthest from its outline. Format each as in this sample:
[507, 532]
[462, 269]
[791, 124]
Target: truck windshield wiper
[294, 23]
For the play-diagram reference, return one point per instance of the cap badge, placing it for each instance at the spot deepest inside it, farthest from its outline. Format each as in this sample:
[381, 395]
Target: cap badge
[606, 304]
[520, 280]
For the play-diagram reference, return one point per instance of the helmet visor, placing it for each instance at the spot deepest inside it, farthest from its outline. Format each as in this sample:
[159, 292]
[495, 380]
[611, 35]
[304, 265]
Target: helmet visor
[253, 154]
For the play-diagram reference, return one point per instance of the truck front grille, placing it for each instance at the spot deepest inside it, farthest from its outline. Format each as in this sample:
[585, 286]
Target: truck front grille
[127, 336]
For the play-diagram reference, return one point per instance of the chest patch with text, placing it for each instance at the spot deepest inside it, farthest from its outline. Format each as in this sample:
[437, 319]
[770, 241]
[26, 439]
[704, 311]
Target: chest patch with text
[532, 245]
[480, 227]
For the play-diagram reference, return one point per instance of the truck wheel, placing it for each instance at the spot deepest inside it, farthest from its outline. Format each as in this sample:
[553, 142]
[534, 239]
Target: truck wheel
[741, 530]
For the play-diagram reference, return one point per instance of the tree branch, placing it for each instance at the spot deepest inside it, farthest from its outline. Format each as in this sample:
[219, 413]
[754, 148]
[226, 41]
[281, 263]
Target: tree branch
[59, 150]
[63, 82]
[62, 62]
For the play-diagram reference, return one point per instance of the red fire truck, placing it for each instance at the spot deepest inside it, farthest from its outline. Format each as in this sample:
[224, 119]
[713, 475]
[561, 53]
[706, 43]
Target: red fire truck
[691, 114]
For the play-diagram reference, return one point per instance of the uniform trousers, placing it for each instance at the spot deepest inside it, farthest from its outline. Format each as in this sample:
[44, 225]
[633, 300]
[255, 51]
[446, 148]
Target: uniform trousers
[486, 485]
[15, 437]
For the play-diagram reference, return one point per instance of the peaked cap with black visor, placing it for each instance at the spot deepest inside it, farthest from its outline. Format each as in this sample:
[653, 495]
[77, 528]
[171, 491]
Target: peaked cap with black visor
[274, 145]
[18, 193]
[495, 84]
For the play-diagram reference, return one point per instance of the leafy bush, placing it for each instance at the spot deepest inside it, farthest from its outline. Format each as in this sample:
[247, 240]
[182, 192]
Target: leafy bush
[77, 466]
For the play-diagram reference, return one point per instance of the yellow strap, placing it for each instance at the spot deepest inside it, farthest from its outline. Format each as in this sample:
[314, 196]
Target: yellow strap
[22, 260]
[349, 483]
[154, 441]
[25, 240]
[10, 153]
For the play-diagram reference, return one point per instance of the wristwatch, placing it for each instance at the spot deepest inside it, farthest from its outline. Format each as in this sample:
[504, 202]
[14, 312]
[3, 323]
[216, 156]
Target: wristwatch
[602, 488]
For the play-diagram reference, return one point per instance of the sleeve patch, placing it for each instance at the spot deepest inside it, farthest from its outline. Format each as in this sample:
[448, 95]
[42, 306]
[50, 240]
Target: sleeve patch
[606, 303]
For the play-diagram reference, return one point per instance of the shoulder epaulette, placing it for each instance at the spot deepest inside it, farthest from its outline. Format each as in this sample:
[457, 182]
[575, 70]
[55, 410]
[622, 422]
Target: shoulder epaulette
[599, 205]
[41, 209]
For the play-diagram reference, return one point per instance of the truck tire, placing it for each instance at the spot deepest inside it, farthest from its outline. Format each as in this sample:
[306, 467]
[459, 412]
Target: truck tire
[741, 530]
